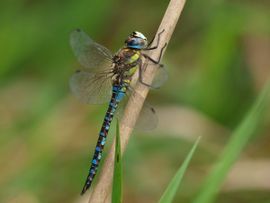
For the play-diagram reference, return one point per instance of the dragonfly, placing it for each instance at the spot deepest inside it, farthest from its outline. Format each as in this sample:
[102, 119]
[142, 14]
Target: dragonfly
[104, 77]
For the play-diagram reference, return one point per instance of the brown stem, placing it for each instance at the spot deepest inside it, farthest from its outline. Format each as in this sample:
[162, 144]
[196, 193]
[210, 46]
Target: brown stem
[102, 192]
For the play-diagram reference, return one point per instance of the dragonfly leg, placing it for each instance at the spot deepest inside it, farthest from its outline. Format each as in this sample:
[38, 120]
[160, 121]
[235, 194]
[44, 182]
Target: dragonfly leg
[156, 46]
[156, 61]
[141, 79]
[153, 61]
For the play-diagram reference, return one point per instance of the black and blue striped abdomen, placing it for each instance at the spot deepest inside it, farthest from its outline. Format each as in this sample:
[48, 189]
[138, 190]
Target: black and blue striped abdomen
[117, 95]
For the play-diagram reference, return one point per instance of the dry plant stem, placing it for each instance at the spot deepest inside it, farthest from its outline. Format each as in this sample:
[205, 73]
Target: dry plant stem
[102, 191]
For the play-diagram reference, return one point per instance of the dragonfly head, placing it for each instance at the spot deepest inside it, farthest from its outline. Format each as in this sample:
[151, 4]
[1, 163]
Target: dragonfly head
[136, 40]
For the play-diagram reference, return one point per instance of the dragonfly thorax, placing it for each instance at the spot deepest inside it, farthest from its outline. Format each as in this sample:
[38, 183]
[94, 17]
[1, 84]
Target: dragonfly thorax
[126, 62]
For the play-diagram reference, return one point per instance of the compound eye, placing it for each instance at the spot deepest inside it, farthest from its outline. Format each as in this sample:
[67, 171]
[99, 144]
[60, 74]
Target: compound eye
[132, 42]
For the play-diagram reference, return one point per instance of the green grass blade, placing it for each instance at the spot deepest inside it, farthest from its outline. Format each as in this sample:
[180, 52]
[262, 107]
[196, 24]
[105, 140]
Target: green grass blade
[172, 188]
[117, 176]
[234, 147]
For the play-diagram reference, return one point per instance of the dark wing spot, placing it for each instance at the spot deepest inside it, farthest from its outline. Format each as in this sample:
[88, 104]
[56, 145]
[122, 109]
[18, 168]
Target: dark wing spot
[153, 110]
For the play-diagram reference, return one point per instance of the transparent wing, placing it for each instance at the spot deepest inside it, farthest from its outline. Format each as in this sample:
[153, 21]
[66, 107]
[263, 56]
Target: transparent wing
[148, 119]
[90, 54]
[161, 75]
[91, 88]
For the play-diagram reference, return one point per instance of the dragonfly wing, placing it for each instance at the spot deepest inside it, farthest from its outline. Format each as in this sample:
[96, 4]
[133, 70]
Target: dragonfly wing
[161, 75]
[147, 120]
[90, 54]
[91, 88]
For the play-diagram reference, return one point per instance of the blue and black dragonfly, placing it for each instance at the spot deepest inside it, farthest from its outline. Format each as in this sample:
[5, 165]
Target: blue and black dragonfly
[104, 77]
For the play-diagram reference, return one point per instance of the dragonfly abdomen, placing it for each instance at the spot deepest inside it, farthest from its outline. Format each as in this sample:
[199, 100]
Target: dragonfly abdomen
[118, 92]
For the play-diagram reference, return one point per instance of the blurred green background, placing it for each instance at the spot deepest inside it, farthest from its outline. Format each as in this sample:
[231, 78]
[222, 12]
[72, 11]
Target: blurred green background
[218, 61]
